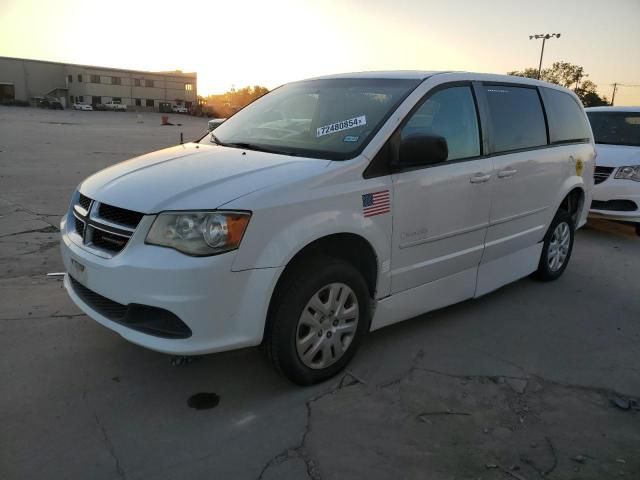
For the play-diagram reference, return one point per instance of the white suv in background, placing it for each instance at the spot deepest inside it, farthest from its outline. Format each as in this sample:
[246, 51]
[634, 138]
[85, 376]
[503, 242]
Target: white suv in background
[616, 194]
[331, 207]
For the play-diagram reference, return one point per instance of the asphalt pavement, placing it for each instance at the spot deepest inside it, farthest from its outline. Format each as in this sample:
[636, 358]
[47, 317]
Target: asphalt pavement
[536, 380]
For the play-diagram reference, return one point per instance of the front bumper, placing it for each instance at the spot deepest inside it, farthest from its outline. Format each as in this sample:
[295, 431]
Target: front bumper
[223, 309]
[612, 190]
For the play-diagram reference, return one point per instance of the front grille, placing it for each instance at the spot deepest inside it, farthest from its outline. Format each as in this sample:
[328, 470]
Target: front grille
[102, 226]
[615, 205]
[85, 202]
[601, 174]
[143, 318]
[119, 215]
[108, 241]
[79, 226]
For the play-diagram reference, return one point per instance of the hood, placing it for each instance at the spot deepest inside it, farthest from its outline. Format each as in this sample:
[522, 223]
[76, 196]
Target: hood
[617, 155]
[193, 177]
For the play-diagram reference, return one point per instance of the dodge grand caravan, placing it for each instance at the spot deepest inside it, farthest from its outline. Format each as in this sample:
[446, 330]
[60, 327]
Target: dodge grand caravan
[329, 208]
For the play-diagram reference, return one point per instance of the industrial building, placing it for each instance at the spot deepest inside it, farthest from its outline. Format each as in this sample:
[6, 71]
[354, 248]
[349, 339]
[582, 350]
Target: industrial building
[28, 80]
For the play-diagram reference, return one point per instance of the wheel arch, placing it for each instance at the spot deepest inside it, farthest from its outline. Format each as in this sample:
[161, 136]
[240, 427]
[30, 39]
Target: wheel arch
[350, 247]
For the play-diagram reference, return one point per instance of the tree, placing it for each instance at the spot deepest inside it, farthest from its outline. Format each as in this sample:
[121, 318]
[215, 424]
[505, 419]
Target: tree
[230, 102]
[570, 76]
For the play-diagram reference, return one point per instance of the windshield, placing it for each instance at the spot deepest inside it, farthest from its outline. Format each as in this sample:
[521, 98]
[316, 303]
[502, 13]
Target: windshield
[333, 118]
[616, 128]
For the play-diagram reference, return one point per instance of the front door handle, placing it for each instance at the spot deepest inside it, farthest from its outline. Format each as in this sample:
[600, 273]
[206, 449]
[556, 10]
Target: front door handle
[480, 178]
[507, 173]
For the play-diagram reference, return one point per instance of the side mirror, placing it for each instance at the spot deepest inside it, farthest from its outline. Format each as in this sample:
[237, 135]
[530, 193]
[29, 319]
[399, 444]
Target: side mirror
[422, 149]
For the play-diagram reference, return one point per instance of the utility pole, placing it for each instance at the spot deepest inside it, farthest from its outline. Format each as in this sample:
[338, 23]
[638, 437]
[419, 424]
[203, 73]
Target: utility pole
[613, 95]
[544, 37]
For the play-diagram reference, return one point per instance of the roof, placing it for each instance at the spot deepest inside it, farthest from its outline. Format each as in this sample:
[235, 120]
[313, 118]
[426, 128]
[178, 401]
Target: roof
[613, 109]
[390, 74]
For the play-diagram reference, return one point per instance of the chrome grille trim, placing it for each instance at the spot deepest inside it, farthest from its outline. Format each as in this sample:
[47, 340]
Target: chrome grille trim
[601, 174]
[87, 220]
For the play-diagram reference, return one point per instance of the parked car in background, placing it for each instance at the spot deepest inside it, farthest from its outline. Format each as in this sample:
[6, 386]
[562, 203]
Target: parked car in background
[329, 208]
[179, 109]
[82, 106]
[616, 194]
[215, 123]
[116, 106]
[51, 103]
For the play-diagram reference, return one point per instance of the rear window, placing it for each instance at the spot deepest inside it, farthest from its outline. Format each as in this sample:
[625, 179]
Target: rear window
[516, 117]
[567, 123]
[616, 128]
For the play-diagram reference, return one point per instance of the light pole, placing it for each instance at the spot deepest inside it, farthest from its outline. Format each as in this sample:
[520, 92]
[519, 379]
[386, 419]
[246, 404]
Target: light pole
[544, 37]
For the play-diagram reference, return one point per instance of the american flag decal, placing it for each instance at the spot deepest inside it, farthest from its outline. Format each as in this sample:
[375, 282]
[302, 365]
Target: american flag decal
[376, 203]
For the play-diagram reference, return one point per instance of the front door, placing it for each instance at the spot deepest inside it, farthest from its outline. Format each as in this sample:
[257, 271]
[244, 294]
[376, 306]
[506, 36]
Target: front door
[441, 212]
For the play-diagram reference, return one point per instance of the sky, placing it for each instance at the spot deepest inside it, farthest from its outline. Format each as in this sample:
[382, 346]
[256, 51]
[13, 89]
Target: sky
[271, 42]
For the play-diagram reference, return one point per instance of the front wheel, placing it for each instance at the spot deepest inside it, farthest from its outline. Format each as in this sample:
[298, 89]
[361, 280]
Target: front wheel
[320, 314]
[557, 247]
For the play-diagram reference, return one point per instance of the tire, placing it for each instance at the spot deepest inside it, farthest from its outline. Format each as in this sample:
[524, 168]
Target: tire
[557, 247]
[307, 338]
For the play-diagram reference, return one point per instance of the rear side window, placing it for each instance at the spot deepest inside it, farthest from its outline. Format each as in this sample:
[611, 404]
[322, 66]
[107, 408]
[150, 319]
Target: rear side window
[516, 116]
[567, 123]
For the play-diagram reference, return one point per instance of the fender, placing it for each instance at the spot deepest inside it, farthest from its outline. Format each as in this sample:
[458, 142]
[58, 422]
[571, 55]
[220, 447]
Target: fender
[283, 227]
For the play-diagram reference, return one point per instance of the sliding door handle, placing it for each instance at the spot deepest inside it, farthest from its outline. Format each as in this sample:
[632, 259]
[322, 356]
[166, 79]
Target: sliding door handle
[507, 173]
[480, 178]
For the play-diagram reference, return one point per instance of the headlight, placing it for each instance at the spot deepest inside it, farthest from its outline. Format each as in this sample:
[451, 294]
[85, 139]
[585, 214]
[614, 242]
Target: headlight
[629, 173]
[199, 233]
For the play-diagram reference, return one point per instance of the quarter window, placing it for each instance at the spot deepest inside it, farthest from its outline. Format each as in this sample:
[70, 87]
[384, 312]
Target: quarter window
[567, 122]
[450, 113]
[516, 117]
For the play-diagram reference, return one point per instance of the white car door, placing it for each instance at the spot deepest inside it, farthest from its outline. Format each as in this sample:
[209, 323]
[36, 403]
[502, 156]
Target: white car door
[441, 212]
[527, 178]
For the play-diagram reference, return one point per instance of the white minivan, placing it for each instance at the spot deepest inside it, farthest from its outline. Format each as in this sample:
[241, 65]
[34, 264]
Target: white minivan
[329, 208]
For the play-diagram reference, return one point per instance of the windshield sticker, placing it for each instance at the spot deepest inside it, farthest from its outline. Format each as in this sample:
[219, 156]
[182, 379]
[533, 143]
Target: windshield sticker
[350, 138]
[340, 126]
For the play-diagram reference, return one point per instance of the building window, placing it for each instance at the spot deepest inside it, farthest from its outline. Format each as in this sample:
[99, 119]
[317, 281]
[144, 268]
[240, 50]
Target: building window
[80, 98]
[79, 78]
[138, 102]
[188, 87]
[149, 102]
[116, 99]
[116, 81]
[148, 83]
[136, 82]
[70, 78]
[95, 78]
[96, 100]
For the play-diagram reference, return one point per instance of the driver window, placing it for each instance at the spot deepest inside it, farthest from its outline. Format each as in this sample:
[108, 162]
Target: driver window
[450, 113]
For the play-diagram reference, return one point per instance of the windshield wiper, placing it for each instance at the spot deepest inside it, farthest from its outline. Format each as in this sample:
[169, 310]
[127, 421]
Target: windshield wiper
[257, 148]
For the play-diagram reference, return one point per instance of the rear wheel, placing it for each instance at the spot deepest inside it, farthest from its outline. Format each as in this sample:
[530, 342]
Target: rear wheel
[319, 317]
[557, 247]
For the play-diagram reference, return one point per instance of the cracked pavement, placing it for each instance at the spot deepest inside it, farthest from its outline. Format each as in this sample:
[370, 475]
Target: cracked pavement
[515, 385]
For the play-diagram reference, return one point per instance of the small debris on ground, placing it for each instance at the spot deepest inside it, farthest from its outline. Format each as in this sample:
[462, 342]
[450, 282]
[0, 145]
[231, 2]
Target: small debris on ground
[518, 385]
[579, 459]
[179, 360]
